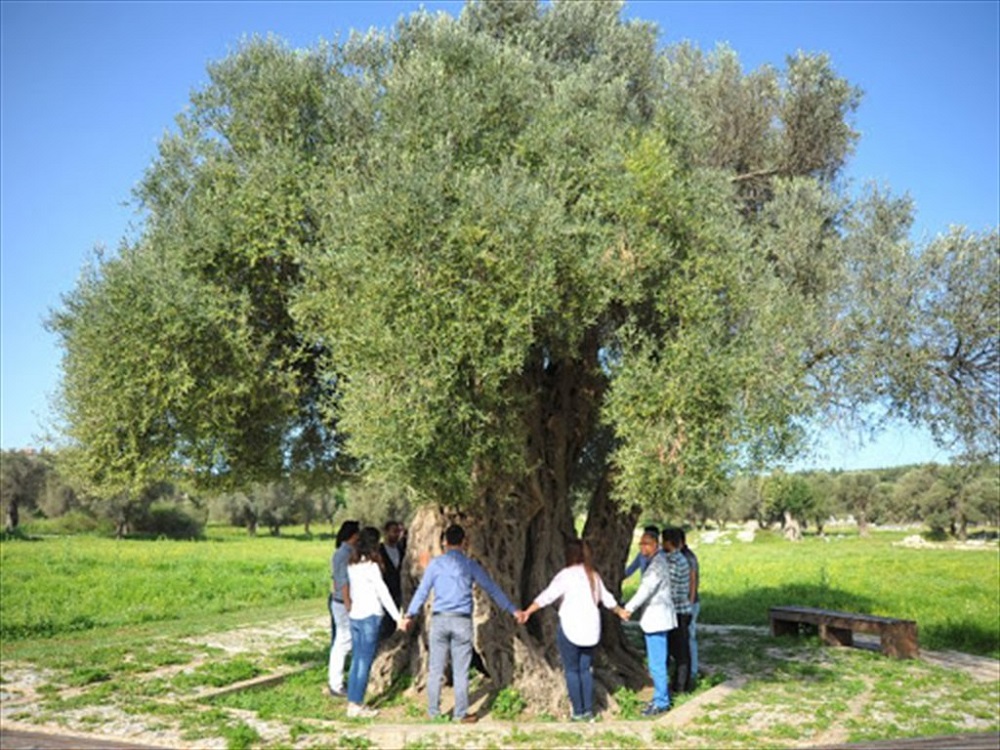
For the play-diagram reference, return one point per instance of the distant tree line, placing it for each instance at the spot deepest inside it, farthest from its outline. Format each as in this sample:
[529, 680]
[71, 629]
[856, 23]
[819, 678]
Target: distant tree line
[947, 499]
[33, 486]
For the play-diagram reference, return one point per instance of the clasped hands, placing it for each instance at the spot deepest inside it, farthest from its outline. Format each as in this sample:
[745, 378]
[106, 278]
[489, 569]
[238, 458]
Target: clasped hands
[520, 615]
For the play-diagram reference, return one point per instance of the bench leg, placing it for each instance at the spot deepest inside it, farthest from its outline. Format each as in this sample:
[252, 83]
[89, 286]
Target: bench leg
[836, 636]
[784, 627]
[900, 642]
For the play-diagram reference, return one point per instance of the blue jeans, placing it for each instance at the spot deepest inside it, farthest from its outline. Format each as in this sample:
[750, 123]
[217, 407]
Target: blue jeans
[449, 634]
[577, 661]
[364, 639]
[693, 638]
[656, 656]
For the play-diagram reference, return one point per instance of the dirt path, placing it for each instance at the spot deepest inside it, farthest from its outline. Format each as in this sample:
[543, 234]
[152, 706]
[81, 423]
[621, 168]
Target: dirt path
[119, 730]
[12, 738]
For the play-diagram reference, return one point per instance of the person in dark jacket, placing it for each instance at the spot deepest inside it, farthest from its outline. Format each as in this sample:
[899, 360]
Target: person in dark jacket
[392, 551]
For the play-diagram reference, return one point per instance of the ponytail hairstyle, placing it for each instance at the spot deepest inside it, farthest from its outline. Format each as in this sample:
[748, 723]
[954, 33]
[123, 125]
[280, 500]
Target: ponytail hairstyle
[367, 547]
[578, 553]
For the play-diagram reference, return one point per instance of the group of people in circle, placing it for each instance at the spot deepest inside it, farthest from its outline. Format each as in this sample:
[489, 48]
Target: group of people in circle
[366, 605]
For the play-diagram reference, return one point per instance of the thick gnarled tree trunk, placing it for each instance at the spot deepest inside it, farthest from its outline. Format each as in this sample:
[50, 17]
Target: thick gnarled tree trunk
[517, 529]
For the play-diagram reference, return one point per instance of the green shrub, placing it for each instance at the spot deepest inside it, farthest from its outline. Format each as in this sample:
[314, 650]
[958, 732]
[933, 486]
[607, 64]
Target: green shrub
[509, 704]
[218, 674]
[166, 519]
[629, 703]
[87, 676]
[241, 736]
[74, 522]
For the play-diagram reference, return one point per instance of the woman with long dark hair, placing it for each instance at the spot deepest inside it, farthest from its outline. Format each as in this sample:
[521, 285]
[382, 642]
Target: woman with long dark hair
[370, 600]
[581, 590]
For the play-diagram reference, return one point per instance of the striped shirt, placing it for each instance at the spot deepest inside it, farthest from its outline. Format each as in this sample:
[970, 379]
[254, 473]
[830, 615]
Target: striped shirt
[680, 582]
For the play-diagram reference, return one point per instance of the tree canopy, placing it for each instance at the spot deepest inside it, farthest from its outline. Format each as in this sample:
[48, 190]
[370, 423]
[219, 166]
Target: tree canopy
[395, 238]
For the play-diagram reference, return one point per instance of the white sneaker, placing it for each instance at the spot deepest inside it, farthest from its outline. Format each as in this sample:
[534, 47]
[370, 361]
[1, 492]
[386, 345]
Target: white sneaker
[358, 711]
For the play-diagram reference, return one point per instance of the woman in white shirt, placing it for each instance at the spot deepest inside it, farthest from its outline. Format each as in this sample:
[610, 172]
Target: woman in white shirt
[580, 589]
[370, 600]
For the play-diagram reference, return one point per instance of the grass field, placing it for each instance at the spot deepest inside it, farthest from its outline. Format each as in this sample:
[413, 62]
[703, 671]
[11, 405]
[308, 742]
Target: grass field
[60, 585]
[120, 637]
[57, 585]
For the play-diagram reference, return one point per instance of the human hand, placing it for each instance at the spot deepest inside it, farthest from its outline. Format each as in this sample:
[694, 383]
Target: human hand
[521, 616]
[623, 613]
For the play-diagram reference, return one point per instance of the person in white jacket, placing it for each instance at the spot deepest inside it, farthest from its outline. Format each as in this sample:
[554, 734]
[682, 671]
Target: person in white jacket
[579, 589]
[659, 617]
[370, 600]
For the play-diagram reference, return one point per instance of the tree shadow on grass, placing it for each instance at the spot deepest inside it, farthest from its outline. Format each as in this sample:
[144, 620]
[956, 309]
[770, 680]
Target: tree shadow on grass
[18, 535]
[321, 537]
[206, 537]
[966, 637]
[752, 607]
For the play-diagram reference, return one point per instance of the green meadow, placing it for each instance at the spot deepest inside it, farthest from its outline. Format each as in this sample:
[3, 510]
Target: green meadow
[54, 586]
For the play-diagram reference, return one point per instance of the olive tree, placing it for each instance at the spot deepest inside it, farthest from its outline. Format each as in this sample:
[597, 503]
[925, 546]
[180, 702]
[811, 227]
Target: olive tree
[22, 481]
[522, 263]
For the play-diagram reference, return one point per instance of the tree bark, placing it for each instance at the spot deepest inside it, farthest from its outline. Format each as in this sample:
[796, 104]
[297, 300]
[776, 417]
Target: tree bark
[517, 528]
[863, 523]
[12, 516]
[609, 531]
[793, 532]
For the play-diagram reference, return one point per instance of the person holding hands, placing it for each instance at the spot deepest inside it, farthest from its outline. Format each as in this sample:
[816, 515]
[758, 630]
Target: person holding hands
[657, 619]
[370, 601]
[579, 590]
[451, 577]
[340, 605]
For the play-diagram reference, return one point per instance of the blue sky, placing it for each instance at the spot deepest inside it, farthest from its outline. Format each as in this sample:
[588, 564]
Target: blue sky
[89, 88]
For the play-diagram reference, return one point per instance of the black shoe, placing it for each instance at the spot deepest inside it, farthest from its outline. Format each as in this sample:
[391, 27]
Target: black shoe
[653, 710]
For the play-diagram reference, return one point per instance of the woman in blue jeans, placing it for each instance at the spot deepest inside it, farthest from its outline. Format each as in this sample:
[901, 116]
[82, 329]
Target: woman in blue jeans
[370, 600]
[581, 590]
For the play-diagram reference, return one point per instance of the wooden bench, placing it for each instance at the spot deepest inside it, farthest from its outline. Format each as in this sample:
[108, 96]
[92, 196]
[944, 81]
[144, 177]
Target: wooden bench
[898, 637]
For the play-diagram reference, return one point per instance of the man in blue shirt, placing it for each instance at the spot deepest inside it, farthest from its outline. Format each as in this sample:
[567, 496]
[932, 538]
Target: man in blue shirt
[451, 577]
